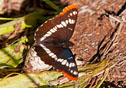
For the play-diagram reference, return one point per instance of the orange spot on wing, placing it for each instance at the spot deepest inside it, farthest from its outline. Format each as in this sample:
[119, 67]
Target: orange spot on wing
[69, 76]
[68, 8]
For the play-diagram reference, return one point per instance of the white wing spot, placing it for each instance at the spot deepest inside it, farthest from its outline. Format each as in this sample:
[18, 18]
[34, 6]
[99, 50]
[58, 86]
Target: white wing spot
[55, 28]
[43, 38]
[59, 60]
[49, 33]
[70, 21]
[66, 21]
[41, 25]
[71, 71]
[75, 72]
[67, 64]
[59, 26]
[71, 14]
[52, 30]
[48, 51]
[70, 29]
[72, 56]
[74, 12]
[73, 21]
[64, 62]
[45, 21]
[54, 56]
[34, 54]
[72, 65]
[63, 23]
[46, 35]
[51, 54]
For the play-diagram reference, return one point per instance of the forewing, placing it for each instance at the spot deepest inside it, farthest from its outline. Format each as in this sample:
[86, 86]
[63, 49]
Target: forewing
[60, 27]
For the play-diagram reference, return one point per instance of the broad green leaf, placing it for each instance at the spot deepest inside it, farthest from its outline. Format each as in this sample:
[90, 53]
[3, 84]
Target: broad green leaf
[44, 78]
[30, 80]
[9, 57]
[27, 21]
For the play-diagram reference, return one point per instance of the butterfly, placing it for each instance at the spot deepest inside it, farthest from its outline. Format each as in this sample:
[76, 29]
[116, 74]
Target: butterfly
[51, 47]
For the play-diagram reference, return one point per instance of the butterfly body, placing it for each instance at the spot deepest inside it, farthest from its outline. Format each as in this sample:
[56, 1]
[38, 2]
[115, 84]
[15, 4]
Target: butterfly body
[52, 42]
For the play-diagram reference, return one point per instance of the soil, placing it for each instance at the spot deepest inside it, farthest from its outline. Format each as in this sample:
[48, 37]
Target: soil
[92, 26]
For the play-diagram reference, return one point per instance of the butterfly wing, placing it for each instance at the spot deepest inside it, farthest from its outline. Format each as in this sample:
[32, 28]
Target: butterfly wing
[60, 27]
[60, 58]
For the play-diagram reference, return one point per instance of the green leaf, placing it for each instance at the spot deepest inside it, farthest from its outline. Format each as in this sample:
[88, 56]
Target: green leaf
[30, 80]
[27, 21]
[9, 57]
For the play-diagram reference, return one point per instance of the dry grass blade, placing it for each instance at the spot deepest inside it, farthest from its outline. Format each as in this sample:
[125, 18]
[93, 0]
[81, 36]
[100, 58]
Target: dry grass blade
[87, 72]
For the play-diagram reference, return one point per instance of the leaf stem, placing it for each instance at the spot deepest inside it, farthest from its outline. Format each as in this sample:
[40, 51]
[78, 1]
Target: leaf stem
[52, 5]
